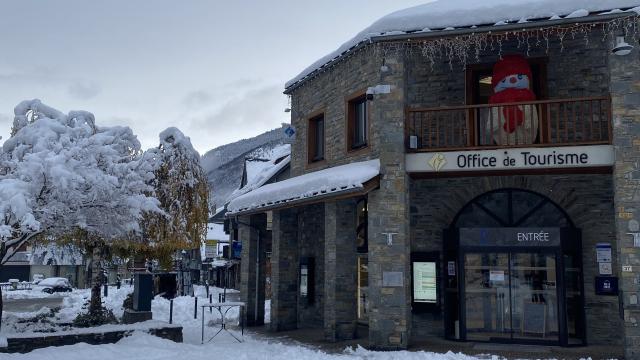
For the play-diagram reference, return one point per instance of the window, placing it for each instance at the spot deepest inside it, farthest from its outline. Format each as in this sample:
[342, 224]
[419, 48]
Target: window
[316, 139]
[357, 123]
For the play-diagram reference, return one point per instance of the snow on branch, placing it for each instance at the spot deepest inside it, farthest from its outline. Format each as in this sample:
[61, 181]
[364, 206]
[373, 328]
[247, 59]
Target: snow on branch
[60, 173]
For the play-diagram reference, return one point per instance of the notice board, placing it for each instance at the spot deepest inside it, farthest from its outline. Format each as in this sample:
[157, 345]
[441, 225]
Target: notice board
[534, 316]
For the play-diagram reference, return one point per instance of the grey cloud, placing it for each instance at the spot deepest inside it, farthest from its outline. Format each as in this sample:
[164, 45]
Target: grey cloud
[83, 90]
[248, 109]
[247, 114]
[197, 98]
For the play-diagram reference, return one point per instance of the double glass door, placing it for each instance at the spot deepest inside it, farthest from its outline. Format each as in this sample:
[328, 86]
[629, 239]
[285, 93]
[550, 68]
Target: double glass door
[511, 296]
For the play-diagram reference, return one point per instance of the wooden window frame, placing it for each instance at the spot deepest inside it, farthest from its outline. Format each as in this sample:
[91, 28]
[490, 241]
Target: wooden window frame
[350, 121]
[312, 138]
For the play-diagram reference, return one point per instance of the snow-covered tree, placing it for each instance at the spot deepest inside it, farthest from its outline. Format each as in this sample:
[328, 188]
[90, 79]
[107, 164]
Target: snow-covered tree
[63, 174]
[181, 187]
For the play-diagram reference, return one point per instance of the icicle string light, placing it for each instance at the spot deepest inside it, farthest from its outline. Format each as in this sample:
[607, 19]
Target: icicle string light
[462, 48]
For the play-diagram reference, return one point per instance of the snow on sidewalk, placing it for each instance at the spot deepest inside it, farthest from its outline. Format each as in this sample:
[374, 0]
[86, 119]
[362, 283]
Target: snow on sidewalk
[142, 346]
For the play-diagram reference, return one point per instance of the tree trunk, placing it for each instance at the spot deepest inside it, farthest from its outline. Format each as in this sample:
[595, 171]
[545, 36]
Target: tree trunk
[95, 304]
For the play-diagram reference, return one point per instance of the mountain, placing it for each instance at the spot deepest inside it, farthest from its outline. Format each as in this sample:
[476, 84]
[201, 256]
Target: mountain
[224, 164]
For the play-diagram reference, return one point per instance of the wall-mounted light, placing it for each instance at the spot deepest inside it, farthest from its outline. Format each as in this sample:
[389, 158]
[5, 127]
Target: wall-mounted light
[622, 47]
[287, 110]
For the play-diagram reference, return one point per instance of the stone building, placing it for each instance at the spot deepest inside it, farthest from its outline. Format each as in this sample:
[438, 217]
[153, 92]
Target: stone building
[420, 205]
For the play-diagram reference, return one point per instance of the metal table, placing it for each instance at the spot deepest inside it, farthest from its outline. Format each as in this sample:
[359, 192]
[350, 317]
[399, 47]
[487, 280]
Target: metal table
[223, 325]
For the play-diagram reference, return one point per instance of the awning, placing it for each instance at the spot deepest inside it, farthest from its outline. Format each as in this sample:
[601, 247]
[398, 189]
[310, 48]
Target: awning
[341, 181]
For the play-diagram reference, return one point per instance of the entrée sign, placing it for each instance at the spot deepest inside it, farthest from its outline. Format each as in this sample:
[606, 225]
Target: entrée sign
[517, 158]
[531, 237]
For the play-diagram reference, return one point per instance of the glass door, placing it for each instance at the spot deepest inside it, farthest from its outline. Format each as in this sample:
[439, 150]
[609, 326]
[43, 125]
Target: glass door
[534, 296]
[511, 296]
[486, 296]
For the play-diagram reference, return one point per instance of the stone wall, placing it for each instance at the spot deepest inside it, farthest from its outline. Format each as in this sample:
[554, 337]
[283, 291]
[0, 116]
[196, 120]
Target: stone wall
[625, 86]
[27, 344]
[588, 200]
[574, 69]
[255, 240]
[341, 270]
[311, 245]
[284, 270]
[329, 93]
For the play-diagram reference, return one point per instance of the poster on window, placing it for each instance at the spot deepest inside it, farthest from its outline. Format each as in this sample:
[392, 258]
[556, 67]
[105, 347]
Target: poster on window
[424, 282]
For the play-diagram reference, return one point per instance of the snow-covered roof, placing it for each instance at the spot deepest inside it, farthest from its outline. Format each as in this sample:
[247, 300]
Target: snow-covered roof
[52, 254]
[445, 15]
[216, 232]
[260, 170]
[346, 178]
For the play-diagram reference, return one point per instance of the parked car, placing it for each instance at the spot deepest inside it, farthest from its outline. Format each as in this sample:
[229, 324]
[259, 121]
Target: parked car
[55, 284]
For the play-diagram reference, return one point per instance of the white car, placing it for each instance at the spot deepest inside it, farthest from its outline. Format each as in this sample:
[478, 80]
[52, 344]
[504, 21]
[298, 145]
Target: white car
[55, 284]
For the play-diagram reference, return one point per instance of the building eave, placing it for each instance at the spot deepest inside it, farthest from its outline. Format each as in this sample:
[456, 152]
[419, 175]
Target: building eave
[437, 34]
[367, 187]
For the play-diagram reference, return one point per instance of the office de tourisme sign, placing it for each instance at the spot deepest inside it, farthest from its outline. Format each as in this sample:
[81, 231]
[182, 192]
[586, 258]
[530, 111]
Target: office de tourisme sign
[512, 159]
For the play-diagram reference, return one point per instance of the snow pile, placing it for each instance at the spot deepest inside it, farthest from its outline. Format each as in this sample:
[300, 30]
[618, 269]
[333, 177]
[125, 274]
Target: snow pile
[333, 180]
[450, 14]
[142, 346]
[72, 304]
[261, 169]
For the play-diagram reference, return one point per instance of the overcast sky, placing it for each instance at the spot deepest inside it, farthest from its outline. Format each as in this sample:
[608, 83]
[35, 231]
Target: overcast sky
[214, 69]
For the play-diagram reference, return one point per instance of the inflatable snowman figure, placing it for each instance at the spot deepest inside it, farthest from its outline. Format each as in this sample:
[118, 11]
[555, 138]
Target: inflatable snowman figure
[514, 124]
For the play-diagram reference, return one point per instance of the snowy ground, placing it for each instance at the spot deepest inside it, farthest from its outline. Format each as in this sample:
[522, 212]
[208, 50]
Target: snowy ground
[146, 347]
[142, 346]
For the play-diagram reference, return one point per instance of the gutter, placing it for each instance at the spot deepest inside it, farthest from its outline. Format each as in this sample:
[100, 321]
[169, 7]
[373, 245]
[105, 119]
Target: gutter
[417, 36]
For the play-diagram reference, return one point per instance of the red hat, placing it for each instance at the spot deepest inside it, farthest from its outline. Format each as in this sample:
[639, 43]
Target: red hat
[510, 65]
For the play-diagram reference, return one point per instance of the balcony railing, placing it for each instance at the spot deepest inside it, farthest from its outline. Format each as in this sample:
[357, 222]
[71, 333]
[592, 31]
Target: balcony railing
[560, 122]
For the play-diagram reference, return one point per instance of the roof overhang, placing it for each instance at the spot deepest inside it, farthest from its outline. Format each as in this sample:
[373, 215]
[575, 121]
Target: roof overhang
[498, 29]
[367, 187]
[349, 180]
[438, 34]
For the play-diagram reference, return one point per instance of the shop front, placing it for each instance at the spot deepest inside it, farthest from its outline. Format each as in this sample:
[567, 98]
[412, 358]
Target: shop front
[514, 272]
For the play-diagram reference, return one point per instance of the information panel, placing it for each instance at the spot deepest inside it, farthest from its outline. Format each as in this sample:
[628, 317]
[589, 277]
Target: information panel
[424, 282]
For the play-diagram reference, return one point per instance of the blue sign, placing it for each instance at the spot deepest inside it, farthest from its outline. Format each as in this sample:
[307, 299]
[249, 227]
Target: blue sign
[236, 251]
[606, 285]
[289, 131]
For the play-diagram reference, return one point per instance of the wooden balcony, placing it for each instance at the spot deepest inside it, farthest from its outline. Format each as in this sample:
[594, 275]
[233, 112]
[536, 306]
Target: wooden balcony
[558, 122]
